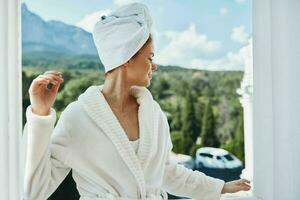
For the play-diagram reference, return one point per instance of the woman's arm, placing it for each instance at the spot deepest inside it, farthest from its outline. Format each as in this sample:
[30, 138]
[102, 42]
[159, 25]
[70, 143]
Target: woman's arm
[181, 181]
[47, 151]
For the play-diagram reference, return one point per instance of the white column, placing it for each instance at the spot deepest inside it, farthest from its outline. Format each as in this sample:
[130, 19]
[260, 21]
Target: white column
[246, 92]
[10, 101]
[276, 103]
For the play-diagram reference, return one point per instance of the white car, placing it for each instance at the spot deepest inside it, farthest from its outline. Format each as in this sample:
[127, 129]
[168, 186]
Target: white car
[209, 157]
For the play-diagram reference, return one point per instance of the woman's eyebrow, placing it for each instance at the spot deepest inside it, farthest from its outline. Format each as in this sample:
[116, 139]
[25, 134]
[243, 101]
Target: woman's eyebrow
[152, 54]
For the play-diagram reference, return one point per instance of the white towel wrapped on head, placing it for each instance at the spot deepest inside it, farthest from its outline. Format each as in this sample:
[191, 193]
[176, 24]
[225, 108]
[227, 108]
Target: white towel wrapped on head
[121, 34]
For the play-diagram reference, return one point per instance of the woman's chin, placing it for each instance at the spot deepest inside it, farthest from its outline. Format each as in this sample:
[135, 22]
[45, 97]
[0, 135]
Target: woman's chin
[148, 84]
[145, 83]
[149, 81]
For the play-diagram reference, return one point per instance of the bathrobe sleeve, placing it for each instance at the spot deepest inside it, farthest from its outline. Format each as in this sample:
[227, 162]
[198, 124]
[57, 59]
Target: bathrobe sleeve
[181, 181]
[46, 152]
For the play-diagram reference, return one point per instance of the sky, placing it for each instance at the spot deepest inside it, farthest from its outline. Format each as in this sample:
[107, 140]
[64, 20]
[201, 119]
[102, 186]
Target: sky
[200, 34]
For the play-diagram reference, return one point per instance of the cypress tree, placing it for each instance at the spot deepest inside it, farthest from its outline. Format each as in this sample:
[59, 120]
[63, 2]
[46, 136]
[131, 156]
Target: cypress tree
[208, 133]
[176, 124]
[189, 127]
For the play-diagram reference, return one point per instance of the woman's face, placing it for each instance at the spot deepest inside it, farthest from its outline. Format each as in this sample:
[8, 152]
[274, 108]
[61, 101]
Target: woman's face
[140, 67]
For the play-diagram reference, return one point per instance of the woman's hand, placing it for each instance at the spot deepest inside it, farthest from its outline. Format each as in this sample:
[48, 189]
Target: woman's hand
[235, 186]
[42, 98]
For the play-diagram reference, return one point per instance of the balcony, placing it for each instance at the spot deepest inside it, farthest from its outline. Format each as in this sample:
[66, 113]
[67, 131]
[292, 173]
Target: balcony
[275, 102]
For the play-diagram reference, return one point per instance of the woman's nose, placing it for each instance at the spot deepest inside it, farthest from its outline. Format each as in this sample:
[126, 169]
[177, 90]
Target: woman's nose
[154, 67]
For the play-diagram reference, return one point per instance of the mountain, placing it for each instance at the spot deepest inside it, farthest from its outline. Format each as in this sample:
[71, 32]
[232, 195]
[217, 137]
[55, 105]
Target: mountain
[39, 35]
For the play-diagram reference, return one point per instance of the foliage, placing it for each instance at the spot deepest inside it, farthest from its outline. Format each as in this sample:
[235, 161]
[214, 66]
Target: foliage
[190, 129]
[177, 141]
[52, 60]
[236, 146]
[176, 123]
[208, 132]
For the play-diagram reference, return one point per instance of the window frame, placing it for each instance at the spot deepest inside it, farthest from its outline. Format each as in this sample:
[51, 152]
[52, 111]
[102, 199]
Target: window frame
[10, 120]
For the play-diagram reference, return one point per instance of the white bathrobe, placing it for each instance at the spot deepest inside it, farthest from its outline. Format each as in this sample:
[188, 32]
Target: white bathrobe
[89, 139]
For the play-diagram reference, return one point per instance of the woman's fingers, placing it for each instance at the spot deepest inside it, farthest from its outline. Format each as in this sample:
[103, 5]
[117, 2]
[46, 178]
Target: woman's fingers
[244, 181]
[246, 187]
[244, 184]
[53, 75]
[241, 184]
[54, 79]
[53, 72]
[55, 88]
[247, 181]
[40, 80]
[44, 80]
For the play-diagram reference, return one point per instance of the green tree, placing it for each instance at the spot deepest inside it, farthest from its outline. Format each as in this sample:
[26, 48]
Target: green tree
[176, 124]
[208, 133]
[159, 87]
[26, 80]
[238, 142]
[189, 128]
[236, 145]
[177, 141]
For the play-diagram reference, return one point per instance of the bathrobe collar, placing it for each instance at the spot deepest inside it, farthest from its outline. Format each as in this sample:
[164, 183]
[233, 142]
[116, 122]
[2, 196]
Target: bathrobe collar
[99, 110]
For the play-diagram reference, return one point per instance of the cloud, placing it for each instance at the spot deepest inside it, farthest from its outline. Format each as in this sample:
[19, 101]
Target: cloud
[89, 21]
[239, 35]
[231, 61]
[240, 1]
[184, 46]
[122, 2]
[223, 11]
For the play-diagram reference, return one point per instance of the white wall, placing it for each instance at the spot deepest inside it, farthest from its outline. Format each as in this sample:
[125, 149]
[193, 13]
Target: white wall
[276, 49]
[10, 100]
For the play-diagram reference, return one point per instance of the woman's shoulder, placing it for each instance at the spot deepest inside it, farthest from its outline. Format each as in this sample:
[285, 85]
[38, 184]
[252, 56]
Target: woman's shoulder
[72, 111]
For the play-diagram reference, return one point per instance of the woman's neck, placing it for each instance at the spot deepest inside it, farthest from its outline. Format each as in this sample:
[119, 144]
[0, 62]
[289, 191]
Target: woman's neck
[117, 91]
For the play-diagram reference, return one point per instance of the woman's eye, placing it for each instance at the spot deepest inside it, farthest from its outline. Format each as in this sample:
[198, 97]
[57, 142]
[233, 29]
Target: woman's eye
[151, 59]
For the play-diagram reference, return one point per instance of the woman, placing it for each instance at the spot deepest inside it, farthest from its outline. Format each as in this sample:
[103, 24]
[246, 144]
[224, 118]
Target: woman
[115, 137]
